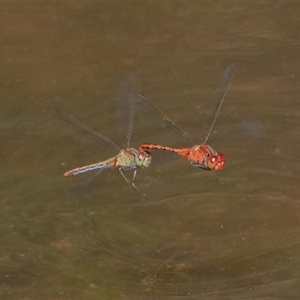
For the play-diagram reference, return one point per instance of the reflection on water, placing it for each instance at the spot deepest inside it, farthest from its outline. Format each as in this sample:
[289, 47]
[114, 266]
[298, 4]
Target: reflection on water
[232, 234]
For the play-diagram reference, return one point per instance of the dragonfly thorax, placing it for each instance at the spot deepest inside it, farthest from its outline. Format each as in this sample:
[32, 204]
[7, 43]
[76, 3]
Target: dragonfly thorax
[133, 158]
[205, 157]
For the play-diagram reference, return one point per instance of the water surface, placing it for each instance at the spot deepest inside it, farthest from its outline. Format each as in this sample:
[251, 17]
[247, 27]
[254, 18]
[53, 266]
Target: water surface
[232, 234]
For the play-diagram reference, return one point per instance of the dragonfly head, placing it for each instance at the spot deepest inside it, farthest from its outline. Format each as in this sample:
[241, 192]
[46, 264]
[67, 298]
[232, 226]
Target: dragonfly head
[143, 159]
[216, 161]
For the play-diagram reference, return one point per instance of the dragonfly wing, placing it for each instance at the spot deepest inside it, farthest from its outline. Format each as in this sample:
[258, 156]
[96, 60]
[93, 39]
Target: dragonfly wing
[126, 106]
[221, 93]
[164, 132]
[97, 137]
[166, 124]
[249, 128]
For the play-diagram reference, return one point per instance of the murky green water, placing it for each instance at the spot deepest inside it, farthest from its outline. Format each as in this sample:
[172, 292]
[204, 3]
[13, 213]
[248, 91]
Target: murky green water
[232, 234]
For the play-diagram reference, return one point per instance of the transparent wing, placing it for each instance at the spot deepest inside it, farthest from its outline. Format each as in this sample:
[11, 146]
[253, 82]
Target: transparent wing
[155, 128]
[126, 107]
[221, 92]
[165, 119]
[97, 137]
[163, 130]
[249, 128]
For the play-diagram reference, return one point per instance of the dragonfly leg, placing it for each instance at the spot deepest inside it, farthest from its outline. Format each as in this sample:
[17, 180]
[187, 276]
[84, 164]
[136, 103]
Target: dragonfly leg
[200, 165]
[132, 183]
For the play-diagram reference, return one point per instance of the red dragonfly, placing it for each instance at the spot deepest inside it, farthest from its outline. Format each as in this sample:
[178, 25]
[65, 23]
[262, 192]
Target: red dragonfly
[202, 156]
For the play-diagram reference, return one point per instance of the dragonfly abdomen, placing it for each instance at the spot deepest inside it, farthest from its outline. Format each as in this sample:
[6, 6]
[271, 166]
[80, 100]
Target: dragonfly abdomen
[180, 151]
[109, 163]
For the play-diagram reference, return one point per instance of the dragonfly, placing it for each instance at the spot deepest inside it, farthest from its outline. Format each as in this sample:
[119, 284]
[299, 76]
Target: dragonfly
[200, 155]
[126, 159]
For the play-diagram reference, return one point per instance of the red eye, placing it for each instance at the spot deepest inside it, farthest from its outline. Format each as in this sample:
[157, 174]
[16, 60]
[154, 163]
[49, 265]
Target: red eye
[216, 162]
[212, 161]
[220, 161]
[144, 154]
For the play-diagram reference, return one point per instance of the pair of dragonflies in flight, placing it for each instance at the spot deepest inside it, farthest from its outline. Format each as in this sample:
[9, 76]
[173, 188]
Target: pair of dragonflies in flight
[200, 155]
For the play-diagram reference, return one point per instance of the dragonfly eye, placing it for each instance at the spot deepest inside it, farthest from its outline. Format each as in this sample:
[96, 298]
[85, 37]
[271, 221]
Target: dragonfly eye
[144, 154]
[144, 159]
[216, 162]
